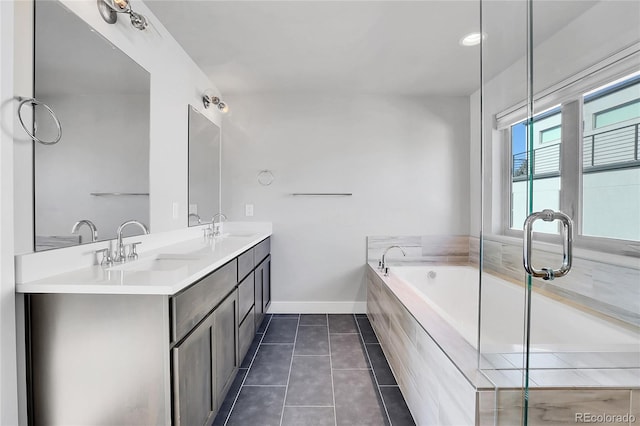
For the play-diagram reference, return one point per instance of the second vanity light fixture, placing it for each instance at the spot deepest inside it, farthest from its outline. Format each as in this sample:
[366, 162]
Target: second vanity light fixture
[209, 99]
[109, 10]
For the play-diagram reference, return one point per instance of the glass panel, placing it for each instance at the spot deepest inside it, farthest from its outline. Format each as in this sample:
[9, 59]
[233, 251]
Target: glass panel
[505, 197]
[580, 332]
[610, 166]
[544, 158]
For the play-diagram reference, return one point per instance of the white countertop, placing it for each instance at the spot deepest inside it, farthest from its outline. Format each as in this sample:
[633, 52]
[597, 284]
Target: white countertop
[163, 271]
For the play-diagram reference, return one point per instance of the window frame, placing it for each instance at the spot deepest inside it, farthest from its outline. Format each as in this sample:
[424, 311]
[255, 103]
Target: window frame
[570, 96]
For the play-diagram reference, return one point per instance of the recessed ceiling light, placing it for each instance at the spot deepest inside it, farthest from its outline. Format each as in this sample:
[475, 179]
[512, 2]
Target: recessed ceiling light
[472, 39]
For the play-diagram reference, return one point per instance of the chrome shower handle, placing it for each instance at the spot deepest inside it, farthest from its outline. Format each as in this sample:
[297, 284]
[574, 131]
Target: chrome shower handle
[567, 244]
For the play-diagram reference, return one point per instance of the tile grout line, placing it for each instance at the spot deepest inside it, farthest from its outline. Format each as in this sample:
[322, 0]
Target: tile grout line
[226, 420]
[310, 406]
[333, 391]
[373, 371]
[293, 349]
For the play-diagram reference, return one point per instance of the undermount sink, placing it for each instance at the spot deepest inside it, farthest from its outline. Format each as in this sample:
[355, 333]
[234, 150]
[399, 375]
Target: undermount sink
[161, 262]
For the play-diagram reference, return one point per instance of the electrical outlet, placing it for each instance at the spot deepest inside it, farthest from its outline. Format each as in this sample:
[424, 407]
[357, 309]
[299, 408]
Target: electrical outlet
[175, 210]
[248, 209]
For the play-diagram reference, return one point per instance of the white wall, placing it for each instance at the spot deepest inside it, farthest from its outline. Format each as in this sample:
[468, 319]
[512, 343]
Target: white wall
[175, 82]
[405, 159]
[8, 365]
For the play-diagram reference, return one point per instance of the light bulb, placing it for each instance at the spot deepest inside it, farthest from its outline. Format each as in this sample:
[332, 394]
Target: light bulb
[121, 4]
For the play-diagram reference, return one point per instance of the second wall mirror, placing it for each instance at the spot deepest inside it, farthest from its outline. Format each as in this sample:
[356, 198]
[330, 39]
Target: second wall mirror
[204, 168]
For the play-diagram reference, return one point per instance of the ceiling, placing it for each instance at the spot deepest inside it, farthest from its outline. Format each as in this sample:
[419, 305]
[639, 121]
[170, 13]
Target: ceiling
[376, 47]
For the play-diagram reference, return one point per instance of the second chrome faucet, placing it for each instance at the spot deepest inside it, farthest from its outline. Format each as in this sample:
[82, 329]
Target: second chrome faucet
[120, 251]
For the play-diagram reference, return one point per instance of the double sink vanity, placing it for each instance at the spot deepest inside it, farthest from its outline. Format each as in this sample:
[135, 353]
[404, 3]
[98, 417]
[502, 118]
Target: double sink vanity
[157, 340]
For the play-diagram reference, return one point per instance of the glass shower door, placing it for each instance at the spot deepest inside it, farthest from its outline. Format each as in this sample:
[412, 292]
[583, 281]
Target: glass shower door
[506, 198]
[560, 131]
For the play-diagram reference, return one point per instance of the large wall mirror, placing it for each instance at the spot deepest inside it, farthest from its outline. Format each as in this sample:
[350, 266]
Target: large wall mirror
[204, 168]
[99, 170]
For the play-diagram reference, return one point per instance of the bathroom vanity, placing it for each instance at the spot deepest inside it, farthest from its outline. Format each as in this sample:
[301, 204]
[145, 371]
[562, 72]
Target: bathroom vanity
[157, 340]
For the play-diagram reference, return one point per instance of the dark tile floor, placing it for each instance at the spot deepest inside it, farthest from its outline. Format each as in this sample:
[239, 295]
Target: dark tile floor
[314, 370]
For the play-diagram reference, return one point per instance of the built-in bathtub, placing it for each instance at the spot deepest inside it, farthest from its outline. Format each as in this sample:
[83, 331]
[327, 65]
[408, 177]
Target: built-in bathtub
[452, 291]
[426, 318]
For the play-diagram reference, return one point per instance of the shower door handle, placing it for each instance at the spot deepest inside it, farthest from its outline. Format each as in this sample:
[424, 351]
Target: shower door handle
[567, 243]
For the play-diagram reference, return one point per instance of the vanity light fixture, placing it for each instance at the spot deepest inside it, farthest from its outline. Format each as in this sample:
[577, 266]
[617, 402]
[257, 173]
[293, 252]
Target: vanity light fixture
[472, 39]
[109, 10]
[209, 100]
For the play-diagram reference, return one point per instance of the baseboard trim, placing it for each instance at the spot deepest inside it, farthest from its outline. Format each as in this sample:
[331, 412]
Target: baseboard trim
[317, 307]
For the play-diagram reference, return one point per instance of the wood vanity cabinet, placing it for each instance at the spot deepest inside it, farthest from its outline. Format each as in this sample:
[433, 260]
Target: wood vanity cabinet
[144, 358]
[208, 352]
[204, 360]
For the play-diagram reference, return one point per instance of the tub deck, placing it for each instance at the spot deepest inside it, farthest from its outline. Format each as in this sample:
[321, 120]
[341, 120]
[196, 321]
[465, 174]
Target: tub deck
[609, 381]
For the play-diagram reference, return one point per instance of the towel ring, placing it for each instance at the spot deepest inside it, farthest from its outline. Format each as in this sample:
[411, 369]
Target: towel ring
[34, 101]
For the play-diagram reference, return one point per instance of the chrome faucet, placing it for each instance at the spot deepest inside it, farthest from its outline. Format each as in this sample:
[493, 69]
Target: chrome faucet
[382, 261]
[120, 254]
[216, 229]
[92, 227]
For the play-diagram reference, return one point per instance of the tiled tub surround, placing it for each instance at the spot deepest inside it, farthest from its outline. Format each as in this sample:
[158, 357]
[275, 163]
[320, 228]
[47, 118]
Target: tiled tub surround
[314, 370]
[436, 368]
[427, 248]
[604, 283]
[600, 282]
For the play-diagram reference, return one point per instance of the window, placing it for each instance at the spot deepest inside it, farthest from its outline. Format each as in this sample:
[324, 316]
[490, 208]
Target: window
[617, 114]
[610, 162]
[551, 134]
[544, 161]
[584, 159]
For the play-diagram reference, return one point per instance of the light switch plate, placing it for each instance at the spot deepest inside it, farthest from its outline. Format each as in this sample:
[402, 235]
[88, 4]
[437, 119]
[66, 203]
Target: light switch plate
[175, 210]
[248, 209]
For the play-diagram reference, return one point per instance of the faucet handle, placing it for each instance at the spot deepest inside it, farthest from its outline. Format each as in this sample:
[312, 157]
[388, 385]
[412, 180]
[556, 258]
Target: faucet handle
[132, 251]
[106, 257]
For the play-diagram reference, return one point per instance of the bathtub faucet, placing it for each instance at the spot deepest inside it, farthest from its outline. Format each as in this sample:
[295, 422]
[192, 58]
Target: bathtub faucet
[382, 261]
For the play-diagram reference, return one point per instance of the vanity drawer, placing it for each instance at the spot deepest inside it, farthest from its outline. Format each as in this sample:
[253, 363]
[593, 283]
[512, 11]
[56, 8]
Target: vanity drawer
[245, 296]
[262, 250]
[190, 306]
[245, 263]
[245, 335]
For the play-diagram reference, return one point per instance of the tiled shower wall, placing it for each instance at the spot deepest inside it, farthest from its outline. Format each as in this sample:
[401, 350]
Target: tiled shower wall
[609, 289]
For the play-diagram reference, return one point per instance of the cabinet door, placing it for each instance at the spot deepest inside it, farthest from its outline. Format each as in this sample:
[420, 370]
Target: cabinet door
[225, 331]
[266, 284]
[259, 313]
[194, 399]
[246, 295]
